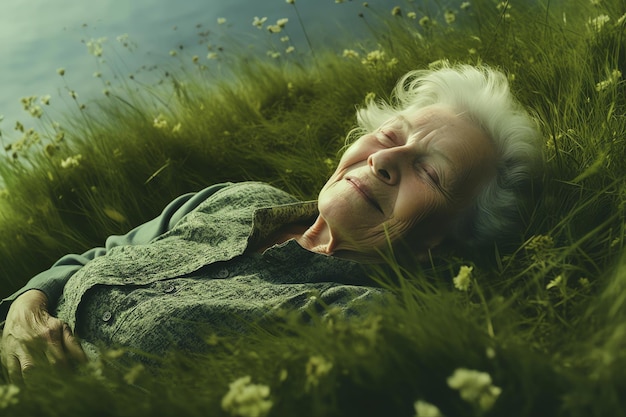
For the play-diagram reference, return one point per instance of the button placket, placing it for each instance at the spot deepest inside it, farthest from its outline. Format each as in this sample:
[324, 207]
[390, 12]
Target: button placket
[222, 273]
[107, 316]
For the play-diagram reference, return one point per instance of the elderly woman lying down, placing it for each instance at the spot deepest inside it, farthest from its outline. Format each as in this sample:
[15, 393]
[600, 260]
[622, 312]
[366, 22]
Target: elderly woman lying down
[443, 164]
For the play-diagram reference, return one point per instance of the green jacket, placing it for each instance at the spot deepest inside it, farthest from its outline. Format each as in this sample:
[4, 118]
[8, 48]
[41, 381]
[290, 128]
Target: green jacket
[185, 275]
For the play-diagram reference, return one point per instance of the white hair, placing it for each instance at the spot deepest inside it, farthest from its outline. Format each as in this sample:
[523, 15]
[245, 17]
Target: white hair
[482, 95]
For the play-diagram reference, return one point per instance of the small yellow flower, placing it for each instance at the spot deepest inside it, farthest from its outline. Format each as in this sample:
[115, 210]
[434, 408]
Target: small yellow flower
[159, 122]
[396, 11]
[612, 79]
[555, 283]
[463, 280]
[426, 409]
[316, 368]
[73, 94]
[370, 96]
[61, 71]
[411, 15]
[374, 57]
[8, 395]
[221, 20]
[45, 99]
[449, 16]
[212, 55]
[290, 49]
[245, 399]
[503, 5]
[282, 22]
[290, 1]
[475, 387]
[131, 376]
[425, 22]
[273, 54]
[274, 28]
[36, 111]
[177, 127]
[465, 5]
[598, 23]
[284, 39]
[195, 59]
[173, 52]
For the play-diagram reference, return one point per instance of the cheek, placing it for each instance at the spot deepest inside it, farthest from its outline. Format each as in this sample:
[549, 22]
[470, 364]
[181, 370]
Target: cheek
[359, 151]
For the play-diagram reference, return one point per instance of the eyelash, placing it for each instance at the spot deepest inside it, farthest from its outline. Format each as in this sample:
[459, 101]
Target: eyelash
[431, 173]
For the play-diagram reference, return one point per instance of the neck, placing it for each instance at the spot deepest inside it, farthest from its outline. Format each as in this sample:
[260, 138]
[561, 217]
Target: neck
[317, 238]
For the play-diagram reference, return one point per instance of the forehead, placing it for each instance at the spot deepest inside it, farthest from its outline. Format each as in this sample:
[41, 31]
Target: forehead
[447, 127]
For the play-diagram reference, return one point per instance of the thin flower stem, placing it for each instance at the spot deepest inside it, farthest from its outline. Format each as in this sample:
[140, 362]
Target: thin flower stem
[306, 36]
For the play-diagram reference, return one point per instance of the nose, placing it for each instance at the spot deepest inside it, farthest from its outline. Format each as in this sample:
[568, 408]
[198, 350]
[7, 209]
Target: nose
[385, 165]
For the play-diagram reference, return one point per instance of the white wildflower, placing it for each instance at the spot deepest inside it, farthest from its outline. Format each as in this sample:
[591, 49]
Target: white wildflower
[350, 53]
[258, 22]
[475, 387]
[598, 23]
[72, 161]
[94, 46]
[244, 399]
[282, 22]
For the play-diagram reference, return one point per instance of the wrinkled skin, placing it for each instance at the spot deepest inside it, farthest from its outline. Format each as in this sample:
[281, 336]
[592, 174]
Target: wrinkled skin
[32, 338]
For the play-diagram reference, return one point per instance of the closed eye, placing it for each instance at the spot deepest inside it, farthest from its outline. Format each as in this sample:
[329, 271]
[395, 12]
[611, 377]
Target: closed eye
[431, 173]
[387, 137]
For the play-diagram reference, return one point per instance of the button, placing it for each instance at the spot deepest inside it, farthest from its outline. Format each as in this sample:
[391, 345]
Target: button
[107, 316]
[223, 273]
[169, 289]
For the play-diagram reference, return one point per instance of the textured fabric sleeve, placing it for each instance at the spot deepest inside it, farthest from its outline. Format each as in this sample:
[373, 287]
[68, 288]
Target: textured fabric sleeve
[52, 281]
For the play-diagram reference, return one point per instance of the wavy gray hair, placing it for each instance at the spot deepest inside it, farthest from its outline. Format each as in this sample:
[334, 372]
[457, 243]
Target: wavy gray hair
[482, 95]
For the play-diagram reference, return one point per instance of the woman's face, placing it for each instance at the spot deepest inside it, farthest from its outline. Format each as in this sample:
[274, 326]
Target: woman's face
[409, 179]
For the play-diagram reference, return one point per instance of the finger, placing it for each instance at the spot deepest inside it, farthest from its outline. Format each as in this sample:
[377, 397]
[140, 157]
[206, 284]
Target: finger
[14, 370]
[72, 346]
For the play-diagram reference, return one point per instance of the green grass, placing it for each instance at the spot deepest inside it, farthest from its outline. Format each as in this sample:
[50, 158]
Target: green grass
[545, 318]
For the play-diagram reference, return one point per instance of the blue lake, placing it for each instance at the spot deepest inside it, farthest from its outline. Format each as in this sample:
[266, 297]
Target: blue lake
[37, 37]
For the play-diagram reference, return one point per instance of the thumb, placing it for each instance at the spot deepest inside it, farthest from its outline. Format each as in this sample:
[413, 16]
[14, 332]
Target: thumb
[72, 345]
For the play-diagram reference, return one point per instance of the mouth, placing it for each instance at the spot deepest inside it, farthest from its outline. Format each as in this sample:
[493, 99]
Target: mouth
[365, 192]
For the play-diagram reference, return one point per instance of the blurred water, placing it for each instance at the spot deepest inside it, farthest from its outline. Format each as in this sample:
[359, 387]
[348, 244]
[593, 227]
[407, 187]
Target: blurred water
[39, 36]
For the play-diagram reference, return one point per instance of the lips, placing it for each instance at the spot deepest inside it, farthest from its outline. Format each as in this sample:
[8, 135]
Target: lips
[365, 192]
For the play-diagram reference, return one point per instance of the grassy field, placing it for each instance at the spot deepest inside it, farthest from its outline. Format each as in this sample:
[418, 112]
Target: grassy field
[541, 330]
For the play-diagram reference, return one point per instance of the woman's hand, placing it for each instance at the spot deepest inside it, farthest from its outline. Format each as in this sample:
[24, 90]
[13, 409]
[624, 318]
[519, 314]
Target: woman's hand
[32, 338]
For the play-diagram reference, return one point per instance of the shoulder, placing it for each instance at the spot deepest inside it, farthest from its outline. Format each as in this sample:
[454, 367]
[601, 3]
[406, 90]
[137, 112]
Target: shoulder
[250, 194]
